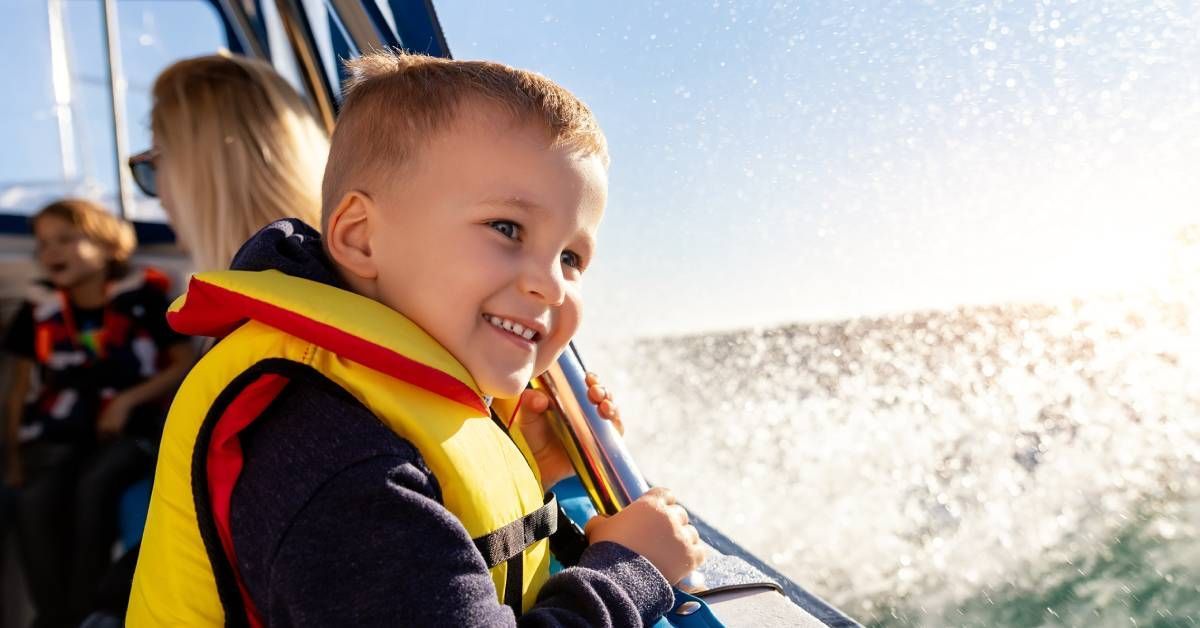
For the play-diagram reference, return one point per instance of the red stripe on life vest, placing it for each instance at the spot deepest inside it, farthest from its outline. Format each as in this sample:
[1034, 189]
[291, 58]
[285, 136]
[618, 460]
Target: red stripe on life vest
[223, 464]
[210, 305]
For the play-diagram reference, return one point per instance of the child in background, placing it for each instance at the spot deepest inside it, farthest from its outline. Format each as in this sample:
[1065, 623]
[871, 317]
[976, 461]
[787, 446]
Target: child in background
[95, 365]
[332, 460]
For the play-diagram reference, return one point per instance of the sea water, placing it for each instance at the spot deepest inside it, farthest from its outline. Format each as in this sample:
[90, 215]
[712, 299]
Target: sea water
[1010, 465]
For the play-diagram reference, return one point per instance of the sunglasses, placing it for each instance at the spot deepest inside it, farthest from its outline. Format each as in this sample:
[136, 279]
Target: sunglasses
[145, 173]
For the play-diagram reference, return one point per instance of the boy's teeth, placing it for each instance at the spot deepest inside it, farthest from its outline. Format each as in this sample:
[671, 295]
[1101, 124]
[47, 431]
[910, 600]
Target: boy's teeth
[510, 326]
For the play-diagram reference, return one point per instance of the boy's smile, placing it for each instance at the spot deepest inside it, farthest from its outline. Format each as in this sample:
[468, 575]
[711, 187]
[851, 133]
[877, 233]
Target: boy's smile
[524, 334]
[482, 239]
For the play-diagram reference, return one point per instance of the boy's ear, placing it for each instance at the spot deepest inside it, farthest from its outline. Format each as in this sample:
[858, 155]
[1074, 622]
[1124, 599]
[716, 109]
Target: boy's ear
[348, 235]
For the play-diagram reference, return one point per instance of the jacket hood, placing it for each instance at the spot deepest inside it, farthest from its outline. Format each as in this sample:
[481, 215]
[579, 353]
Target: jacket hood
[282, 278]
[290, 247]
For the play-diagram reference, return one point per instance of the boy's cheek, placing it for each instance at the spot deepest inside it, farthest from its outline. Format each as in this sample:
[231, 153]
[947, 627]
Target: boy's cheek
[547, 358]
[551, 348]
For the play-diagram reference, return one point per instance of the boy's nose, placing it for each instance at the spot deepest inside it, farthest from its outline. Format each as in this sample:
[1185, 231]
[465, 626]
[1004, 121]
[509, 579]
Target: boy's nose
[546, 283]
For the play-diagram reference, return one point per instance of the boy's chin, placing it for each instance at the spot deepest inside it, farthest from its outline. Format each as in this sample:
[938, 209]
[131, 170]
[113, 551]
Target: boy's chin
[508, 386]
[62, 281]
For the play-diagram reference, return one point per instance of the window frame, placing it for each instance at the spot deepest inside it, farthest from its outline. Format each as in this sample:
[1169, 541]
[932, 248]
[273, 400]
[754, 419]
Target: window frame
[244, 34]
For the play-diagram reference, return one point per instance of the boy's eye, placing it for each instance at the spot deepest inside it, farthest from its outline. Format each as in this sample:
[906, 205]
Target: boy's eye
[507, 228]
[572, 259]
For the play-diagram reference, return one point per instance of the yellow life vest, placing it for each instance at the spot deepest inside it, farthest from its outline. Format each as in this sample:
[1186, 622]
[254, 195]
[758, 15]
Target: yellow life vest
[186, 575]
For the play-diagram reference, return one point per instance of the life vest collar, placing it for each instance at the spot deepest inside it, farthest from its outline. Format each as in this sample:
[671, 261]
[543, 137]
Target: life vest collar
[47, 300]
[348, 324]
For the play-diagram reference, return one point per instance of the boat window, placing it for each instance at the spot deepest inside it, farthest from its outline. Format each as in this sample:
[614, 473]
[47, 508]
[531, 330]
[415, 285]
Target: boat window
[903, 294]
[332, 41]
[59, 102]
[155, 34]
[283, 57]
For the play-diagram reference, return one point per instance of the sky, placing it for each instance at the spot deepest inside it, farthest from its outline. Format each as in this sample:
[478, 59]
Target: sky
[793, 161]
[776, 162]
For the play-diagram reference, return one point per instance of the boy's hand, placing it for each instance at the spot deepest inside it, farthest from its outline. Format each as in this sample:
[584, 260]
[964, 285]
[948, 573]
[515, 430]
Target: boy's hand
[113, 418]
[657, 528]
[602, 398]
[549, 454]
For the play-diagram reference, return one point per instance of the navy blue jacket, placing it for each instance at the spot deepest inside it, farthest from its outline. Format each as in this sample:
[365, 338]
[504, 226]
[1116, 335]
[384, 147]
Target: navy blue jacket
[338, 522]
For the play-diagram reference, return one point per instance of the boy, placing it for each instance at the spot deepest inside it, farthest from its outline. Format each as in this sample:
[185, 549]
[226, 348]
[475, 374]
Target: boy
[332, 461]
[96, 364]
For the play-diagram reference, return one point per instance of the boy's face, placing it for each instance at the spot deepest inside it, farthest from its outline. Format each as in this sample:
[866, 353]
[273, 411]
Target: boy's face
[67, 255]
[483, 240]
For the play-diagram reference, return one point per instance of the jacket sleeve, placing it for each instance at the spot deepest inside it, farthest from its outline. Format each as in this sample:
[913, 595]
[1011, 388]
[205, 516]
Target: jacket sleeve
[373, 547]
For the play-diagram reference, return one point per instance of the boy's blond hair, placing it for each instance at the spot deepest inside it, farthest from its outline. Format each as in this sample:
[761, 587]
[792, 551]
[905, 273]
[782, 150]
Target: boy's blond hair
[395, 101]
[240, 150]
[96, 224]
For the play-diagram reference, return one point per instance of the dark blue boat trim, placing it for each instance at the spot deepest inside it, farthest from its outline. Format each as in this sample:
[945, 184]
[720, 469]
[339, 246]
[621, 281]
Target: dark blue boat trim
[147, 232]
[418, 27]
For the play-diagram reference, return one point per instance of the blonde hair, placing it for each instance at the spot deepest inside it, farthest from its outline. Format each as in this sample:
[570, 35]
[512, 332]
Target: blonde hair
[110, 232]
[241, 149]
[394, 101]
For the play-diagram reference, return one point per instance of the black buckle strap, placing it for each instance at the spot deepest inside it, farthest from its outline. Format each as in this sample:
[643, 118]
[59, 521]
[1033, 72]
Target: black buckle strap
[514, 584]
[504, 543]
[569, 541]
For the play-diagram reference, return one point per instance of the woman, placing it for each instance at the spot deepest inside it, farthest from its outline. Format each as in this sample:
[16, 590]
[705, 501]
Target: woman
[235, 148]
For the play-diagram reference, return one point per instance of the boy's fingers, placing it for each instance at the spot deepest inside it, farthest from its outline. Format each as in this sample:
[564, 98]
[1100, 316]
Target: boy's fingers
[699, 552]
[678, 514]
[534, 402]
[591, 379]
[610, 411]
[597, 393]
[587, 527]
[660, 495]
[530, 394]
